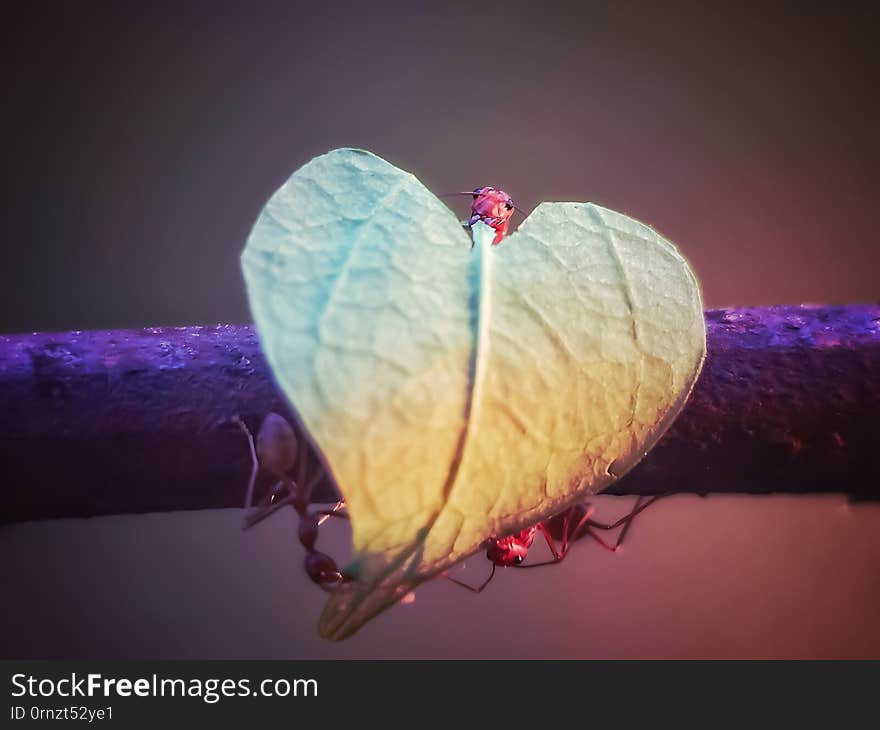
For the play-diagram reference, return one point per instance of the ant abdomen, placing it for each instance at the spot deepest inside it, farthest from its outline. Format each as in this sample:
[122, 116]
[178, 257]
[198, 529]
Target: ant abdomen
[322, 570]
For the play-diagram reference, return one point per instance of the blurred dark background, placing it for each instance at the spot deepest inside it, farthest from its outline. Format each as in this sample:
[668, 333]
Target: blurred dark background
[142, 142]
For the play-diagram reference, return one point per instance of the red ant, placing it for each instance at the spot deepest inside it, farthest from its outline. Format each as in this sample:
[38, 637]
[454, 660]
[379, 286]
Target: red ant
[277, 441]
[492, 206]
[512, 550]
[279, 447]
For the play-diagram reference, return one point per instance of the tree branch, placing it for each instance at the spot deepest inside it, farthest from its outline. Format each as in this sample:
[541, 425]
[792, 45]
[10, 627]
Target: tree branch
[138, 420]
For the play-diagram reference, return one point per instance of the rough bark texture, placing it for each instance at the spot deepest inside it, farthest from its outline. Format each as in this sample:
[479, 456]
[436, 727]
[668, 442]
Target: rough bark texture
[139, 420]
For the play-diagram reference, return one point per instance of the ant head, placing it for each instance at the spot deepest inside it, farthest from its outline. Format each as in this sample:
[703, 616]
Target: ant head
[511, 550]
[505, 557]
[492, 204]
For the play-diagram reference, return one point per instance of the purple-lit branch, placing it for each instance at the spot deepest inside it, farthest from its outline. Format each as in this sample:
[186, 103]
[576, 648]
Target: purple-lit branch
[138, 420]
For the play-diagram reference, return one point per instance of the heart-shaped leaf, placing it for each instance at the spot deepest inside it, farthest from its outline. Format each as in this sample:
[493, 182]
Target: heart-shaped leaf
[460, 394]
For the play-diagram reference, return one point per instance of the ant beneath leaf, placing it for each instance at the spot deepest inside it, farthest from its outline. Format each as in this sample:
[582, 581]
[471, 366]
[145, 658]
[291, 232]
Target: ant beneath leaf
[275, 450]
[511, 551]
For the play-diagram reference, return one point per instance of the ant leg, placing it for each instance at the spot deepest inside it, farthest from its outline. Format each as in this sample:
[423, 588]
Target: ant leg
[610, 548]
[478, 589]
[551, 543]
[568, 536]
[332, 512]
[627, 517]
[626, 525]
[626, 521]
[255, 465]
[270, 505]
[583, 528]
[573, 534]
[558, 555]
